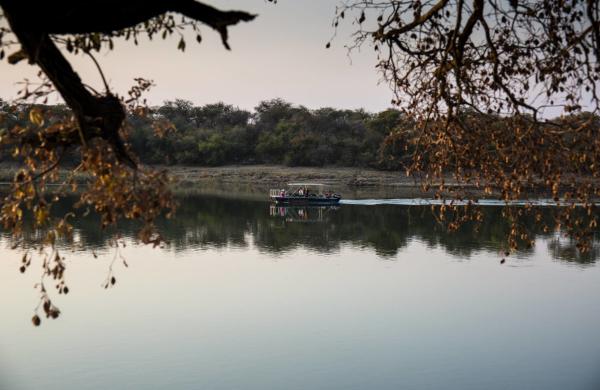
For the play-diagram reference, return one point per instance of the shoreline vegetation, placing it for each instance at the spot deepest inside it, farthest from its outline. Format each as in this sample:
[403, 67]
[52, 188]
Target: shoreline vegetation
[276, 132]
[217, 145]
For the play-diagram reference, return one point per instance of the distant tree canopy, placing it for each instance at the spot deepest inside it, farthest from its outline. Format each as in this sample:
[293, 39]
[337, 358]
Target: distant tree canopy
[276, 132]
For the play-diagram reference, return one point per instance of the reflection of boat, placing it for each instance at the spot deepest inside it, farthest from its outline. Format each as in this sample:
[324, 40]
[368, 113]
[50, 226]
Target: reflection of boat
[304, 193]
[301, 213]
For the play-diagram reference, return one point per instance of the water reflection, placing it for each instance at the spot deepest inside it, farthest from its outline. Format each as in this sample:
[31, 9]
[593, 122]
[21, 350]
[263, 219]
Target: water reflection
[209, 221]
[302, 214]
[226, 319]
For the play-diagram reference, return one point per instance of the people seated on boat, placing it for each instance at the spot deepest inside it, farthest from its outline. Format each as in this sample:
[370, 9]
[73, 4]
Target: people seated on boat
[301, 192]
[282, 192]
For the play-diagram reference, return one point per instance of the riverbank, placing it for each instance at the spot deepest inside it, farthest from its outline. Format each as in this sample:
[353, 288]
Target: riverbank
[255, 180]
[276, 175]
[280, 175]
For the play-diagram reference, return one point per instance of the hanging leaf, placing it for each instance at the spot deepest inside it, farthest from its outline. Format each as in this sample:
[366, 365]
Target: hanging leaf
[181, 44]
[36, 116]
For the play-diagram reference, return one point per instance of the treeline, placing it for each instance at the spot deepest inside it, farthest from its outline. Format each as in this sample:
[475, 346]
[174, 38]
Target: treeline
[276, 132]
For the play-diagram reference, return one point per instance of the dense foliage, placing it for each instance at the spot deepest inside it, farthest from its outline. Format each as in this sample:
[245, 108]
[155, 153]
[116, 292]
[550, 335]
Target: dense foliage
[458, 66]
[277, 132]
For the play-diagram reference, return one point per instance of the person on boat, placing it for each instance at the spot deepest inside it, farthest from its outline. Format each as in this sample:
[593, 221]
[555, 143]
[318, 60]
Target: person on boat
[301, 192]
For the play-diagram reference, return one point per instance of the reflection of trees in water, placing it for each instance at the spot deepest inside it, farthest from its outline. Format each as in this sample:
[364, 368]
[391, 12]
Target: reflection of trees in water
[386, 229]
[209, 221]
[565, 249]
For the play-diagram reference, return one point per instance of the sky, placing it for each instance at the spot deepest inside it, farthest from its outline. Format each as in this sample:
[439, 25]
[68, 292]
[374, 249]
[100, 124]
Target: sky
[281, 54]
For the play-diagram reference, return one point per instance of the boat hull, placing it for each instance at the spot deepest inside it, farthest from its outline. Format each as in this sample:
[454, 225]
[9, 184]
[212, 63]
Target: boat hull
[311, 200]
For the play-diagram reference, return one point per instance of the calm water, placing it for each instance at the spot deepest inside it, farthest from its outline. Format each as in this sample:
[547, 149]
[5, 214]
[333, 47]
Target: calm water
[249, 296]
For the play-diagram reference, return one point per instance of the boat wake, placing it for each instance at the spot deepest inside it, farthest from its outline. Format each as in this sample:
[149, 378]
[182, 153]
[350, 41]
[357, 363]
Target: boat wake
[480, 202]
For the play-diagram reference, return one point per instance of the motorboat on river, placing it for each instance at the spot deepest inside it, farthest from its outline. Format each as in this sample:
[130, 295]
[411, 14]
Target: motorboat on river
[304, 194]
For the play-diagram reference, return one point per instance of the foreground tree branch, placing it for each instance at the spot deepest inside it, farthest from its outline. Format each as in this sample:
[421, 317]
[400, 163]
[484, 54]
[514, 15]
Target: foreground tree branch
[115, 187]
[502, 95]
[98, 116]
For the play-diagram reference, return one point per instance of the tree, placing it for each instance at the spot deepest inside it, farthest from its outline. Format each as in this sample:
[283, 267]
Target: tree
[35, 30]
[117, 187]
[482, 79]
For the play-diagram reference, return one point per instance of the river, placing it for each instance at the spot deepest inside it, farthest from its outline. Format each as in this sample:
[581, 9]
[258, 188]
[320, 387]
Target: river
[361, 296]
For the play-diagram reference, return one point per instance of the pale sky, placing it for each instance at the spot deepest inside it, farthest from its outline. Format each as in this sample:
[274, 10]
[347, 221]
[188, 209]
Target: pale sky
[281, 54]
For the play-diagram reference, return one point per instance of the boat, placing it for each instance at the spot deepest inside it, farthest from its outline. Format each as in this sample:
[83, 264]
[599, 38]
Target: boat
[304, 194]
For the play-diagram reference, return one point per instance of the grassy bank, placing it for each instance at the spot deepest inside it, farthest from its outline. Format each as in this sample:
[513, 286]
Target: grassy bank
[275, 175]
[255, 180]
[280, 175]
